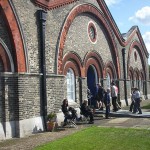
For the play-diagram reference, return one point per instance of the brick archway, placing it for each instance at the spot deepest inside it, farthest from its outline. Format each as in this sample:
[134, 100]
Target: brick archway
[93, 58]
[71, 60]
[109, 68]
[15, 36]
[137, 45]
[4, 59]
[85, 8]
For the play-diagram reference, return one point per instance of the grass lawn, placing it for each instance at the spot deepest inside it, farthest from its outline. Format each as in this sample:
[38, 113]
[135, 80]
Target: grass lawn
[100, 138]
[146, 106]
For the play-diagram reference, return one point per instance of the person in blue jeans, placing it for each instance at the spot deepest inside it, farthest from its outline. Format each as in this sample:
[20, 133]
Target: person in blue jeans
[107, 102]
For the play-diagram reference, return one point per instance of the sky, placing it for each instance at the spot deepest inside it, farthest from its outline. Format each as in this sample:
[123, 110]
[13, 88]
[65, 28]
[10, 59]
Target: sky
[128, 13]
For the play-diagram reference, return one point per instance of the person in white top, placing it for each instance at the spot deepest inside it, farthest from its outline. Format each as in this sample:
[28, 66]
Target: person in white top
[114, 95]
[137, 101]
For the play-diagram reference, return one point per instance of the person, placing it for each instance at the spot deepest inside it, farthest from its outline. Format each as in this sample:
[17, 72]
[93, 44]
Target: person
[100, 96]
[107, 102]
[132, 99]
[86, 111]
[137, 102]
[69, 112]
[114, 94]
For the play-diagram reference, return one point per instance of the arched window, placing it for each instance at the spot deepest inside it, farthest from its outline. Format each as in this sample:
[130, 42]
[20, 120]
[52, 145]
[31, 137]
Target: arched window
[70, 85]
[108, 80]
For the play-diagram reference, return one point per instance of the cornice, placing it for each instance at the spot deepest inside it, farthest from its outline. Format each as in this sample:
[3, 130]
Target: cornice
[52, 4]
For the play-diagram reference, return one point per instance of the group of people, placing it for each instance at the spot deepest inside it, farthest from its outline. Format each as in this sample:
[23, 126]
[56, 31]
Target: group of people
[71, 113]
[102, 98]
[135, 97]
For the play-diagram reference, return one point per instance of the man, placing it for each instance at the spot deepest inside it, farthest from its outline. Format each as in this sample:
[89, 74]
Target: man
[86, 111]
[100, 96]
[114, 94]
[107, 102]
[137, 101]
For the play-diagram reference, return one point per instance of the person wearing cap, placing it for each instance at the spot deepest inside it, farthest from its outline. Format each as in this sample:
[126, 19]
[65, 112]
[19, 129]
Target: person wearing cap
[86, 111]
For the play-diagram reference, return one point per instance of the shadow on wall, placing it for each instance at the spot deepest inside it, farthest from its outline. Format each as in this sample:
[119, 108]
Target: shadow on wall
[36, 129]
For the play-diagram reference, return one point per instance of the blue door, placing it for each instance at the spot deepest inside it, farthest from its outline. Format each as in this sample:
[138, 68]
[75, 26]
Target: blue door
[91, 83]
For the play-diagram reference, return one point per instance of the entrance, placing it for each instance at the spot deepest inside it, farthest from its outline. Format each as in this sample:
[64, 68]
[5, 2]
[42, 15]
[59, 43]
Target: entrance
[91, 83]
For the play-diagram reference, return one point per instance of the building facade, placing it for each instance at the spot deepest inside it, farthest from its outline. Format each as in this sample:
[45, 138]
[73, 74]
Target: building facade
[50, 50]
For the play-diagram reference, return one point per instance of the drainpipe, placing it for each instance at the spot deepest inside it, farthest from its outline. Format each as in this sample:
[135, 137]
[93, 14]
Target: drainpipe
[124, 73]
[42, 24]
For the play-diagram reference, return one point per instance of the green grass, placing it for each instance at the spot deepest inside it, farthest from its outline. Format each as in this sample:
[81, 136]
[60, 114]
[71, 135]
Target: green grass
[99, 138]
[146, 106]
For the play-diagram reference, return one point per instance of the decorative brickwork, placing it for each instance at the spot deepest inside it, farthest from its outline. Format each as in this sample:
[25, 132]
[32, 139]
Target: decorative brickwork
[4, 59]
[110, 68]
[85, 8]
[92, 58]
[16, 38]
[51, 4]
[71, 60]
[141, 53]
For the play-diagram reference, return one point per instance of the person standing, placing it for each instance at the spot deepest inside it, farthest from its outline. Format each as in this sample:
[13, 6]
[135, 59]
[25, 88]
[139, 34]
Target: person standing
[114, 94]
[137, 102]
[100, 96]
[132, 99]
[107, 102]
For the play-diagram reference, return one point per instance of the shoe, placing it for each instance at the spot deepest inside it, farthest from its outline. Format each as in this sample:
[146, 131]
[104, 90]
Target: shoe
[64, 124]
[139, 113]
[107, 117]
[91, 122]
[101, 108]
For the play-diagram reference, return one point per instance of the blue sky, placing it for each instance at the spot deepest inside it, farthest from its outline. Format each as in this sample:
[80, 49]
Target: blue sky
[128, 13]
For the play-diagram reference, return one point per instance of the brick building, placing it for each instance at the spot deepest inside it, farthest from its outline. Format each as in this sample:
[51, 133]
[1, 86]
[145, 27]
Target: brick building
[50, 50]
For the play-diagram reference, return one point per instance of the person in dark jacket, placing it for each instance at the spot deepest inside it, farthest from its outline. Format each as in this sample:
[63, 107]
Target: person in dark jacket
[66, 112]
[107, 103]
[86, 111]
[100, 96]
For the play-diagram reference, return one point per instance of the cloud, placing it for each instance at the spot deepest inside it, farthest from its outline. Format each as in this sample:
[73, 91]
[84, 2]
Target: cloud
[146, 38]
[112, 2]
[142, 16]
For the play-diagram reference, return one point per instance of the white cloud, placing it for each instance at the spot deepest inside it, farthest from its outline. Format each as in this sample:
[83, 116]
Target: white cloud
[112, 2]
[142, 16]
[146, 38]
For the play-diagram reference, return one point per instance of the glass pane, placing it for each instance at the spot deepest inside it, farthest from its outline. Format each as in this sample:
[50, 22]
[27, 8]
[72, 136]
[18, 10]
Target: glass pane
[70, 85]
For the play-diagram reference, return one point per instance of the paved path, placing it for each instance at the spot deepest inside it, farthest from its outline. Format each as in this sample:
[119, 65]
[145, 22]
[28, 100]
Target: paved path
[122, 118]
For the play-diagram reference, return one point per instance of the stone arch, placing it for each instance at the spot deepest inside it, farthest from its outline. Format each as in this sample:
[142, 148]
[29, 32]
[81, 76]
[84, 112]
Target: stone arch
[136, 44]
[72, 60]
[6, 58]
[93, 58]
[110, 68]
[85, 8]
[15, 35]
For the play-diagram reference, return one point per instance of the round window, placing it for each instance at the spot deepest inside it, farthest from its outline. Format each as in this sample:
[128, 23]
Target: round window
[92, 32]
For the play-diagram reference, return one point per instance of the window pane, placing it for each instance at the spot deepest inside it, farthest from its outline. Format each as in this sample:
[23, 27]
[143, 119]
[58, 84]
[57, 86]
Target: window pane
[70, 85]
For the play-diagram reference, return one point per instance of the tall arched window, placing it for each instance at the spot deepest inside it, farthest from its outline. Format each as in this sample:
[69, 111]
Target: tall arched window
[108, 80]
[70, 85]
